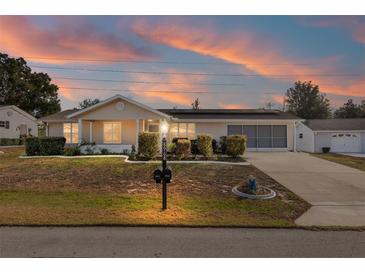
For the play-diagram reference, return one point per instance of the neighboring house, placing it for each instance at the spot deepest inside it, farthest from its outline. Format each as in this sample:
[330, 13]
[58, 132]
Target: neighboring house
[115, 123]
[15, 122]
[340, 135]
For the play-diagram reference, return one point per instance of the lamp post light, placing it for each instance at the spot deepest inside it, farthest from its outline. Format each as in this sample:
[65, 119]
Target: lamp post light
[165, 174]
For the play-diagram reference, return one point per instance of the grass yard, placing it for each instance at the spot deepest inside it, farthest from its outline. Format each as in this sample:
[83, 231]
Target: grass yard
[355, 162]
[109, 191]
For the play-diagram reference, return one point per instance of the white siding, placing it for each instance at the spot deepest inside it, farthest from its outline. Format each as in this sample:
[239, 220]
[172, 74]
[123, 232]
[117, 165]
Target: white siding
[15, 120]
[307, 142]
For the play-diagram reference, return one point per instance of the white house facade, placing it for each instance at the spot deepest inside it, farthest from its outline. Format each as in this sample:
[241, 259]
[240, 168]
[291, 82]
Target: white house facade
[116, 122]
[15, 122]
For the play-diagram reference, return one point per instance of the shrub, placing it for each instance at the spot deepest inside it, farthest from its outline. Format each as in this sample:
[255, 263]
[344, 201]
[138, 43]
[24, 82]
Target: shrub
[236, 145]
[51, 145]
[182, 150]
[44, 146]
[72, 151]
[215, 146]
[148, 145]
[32, 146]
[11, 141]
[205, 145]
[223, 144]
[171, 148]
[326, 149]
[194, 147]
[104, 151]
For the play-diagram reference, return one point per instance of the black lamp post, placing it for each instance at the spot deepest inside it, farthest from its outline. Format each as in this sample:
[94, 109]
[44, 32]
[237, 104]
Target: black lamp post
[165, 174]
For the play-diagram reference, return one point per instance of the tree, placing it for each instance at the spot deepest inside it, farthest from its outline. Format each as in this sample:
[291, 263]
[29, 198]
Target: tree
[196, 104]
[350, 110]
[87, 102]
[31, 91]
[306, 101]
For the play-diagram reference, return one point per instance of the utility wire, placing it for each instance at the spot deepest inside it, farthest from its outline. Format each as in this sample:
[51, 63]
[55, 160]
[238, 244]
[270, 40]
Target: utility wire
[145, 82]
[196, 73]
[144, 91]
[126, 60]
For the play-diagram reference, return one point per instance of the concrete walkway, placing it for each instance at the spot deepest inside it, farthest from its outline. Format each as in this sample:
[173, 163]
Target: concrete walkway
[337, 192]
[145, 242]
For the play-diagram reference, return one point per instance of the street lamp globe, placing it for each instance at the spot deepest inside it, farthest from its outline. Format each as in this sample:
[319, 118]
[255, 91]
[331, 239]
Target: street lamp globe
[164, 128]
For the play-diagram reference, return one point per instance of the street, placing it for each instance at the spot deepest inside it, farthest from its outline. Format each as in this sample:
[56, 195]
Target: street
[177, 242]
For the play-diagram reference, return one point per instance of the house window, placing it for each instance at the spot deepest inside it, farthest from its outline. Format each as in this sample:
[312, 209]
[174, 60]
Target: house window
[2, 123]
[182, 130]
[300, 135]
[112, 133]
[71, 133]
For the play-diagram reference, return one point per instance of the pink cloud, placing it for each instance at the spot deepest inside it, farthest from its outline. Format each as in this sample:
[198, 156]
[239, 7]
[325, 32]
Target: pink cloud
[20, 36]
[250, 50]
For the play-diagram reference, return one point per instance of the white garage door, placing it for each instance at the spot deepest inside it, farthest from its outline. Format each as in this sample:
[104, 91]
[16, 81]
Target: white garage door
[345, 142]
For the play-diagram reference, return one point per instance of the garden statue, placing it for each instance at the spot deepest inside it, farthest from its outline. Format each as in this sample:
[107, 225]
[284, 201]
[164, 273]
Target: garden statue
[252, 184]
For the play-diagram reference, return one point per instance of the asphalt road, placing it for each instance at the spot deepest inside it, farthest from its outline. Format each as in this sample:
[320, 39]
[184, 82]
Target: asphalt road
[177, 242]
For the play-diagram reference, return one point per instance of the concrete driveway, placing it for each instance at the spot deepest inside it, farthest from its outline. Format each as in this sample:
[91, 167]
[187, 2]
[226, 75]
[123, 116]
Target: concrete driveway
[337, 192]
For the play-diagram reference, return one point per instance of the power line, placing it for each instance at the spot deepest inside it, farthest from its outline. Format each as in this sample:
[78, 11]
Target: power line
[146, 82]
[126, 60]
[146, 91]
[196, 73]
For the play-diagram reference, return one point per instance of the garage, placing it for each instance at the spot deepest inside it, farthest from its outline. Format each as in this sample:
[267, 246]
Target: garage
[346, 142]
[337, 135]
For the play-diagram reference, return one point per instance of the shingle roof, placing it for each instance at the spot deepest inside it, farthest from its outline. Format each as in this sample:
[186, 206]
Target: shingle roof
[59, 116]
[263, 114]
[336, 124]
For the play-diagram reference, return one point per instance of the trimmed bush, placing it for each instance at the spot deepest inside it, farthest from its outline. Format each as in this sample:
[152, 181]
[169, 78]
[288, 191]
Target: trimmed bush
[32, 146]
[182, 150]
[104, 151]
[171, 148]
[194, 147]
[72, 151]
[215, 146]
[223, 144]
[51, 145]
[44, 146]
[236, 145]
[11, 141]
[205, 145]
[148, 145]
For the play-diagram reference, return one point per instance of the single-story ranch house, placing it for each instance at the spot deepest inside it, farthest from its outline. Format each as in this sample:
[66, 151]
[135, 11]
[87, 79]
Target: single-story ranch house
[340, 135]
[115, 123]
[15, 122]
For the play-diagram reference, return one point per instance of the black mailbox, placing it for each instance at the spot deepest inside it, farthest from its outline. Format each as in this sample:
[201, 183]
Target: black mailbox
[157, 175]
[167, 174]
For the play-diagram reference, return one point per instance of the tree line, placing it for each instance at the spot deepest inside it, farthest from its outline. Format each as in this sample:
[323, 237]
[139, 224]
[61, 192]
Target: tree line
[36, 94]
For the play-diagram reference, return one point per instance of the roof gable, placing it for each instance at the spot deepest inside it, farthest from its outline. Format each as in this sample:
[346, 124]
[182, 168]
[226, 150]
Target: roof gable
[19, 110]
[96, 107]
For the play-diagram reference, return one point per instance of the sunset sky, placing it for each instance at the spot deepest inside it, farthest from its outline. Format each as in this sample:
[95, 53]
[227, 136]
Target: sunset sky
[226, 61]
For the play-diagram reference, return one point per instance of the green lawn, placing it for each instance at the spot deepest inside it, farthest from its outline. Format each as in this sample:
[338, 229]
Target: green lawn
[355, 162]
[109, 191]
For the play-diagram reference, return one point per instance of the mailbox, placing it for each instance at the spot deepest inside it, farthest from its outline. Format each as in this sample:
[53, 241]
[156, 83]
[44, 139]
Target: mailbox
[167, 175]
[157, 176]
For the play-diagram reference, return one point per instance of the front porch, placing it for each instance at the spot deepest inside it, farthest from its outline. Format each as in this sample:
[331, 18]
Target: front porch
[117, 136]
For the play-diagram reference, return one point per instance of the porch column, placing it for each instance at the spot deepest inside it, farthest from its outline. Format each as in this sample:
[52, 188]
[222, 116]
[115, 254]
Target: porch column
[47, 130]
[90, 131]
[80, 131]
[137, 132]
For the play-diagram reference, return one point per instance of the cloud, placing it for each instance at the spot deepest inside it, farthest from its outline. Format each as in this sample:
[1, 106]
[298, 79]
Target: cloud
[20, 36]
[354, 25]
[151, 90]
[256, 53]
[234, 106]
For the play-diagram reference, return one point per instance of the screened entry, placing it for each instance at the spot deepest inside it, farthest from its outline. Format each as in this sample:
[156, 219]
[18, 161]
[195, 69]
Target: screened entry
[261, 136]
